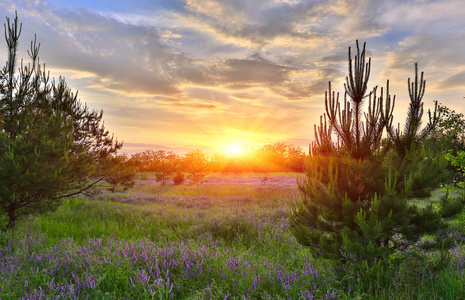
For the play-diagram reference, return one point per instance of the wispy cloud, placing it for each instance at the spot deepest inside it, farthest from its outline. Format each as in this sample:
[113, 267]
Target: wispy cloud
[198, 72]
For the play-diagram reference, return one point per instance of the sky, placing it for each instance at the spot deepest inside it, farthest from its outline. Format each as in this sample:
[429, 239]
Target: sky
[208, 74]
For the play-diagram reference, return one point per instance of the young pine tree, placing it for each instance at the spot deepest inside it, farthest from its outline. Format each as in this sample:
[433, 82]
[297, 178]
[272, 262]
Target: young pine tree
[355, 192]
[51, 146]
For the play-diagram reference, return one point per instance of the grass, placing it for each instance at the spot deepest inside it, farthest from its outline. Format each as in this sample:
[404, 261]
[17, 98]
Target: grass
[226, 239]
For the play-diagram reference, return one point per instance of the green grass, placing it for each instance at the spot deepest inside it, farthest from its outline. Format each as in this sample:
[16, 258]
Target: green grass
[210, 241]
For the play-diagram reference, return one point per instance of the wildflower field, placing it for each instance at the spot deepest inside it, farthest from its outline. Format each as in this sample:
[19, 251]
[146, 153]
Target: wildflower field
[228, 238]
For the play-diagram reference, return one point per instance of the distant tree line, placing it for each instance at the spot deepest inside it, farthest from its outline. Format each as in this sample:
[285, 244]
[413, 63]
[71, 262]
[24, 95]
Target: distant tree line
[167, 165]
[278, 157]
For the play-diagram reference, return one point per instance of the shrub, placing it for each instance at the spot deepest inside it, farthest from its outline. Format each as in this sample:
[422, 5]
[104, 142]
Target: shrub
[178, 178]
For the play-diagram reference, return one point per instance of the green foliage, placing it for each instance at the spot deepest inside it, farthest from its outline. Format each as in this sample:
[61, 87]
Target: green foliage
[196, 164]
[450, 132]
[458, 162]
[333, 192]
[163, 163]
[214, 244]
[122, 173]
[51, 146]
[450, 206]
[449, 137]
[178, 178]
[409, 275]
[355, 192]
[421, 164]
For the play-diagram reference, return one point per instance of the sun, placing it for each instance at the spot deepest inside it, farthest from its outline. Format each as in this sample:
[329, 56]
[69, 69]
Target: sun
[235, 149]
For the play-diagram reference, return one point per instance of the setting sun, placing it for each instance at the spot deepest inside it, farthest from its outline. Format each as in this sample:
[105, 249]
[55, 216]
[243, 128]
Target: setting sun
[235, 149]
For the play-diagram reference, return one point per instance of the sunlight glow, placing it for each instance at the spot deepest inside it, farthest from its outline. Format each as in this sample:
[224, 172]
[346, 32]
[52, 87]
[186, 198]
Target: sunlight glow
[235, 149]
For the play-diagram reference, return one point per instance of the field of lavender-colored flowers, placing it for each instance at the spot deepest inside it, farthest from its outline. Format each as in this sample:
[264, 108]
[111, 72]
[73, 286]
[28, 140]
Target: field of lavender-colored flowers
[228, 238]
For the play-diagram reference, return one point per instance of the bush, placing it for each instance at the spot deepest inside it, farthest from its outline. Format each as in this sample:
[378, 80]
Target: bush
[178, 178]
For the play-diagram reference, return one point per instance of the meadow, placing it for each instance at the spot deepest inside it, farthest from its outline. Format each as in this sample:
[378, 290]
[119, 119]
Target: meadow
[227, 238]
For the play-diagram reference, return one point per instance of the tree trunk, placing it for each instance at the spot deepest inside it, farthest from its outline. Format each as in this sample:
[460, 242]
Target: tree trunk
[11, 219]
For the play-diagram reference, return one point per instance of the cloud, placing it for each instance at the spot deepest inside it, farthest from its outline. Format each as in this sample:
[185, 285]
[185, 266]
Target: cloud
[129, 57]
[211, 68]
[436, 17]
[256, 23]
[262, 22]
[256, 70]
[455, 81]
[189, 106]
[123, 58]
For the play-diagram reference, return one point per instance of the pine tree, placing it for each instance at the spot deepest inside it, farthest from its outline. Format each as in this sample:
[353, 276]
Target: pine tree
[412, 156]
[51, 146]
[354, 198]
